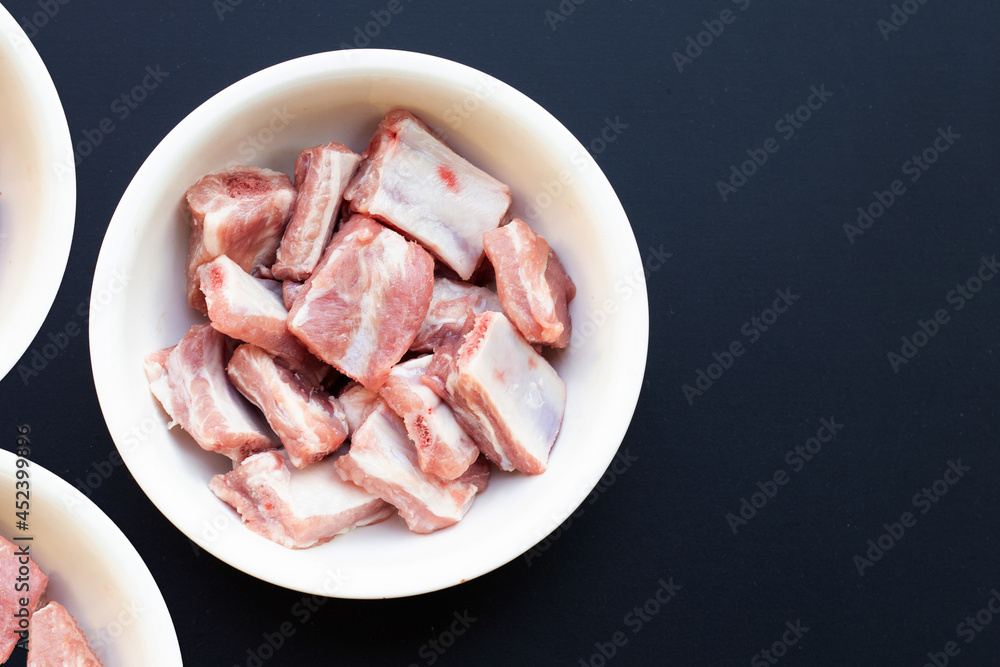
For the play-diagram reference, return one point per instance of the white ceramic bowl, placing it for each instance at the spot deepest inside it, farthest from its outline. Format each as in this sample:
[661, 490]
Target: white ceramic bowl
[266, 119]
[38, 186]
[93, 570]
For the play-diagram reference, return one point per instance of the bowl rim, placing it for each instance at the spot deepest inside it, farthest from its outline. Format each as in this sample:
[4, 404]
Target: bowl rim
[57, 153]
[337, 64]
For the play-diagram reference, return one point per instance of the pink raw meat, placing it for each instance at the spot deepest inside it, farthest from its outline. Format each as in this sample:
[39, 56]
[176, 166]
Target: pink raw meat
[252, 310]
[297, 508]
[13, 587]
[357, 403]
[190, 381]
[289, 290]
[411, 180]
[240, 212]
[534, 288]
[321, 176]
[442, 361]
[443, 448]
[363, 306]
[309, 422]
[453, 305]
[57, 640]
[478, 474]
[506, 395]
[383, 461]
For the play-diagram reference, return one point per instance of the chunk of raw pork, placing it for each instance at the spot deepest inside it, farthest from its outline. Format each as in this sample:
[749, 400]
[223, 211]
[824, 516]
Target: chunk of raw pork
[442, 361]
[362, 308]
[12, 628]
[383, 461]
[289, 290]
[443, 448]
[309, 421]
[297, 508]
[478, 474]
[253, 310]
[240, 212]
[506, 395]
[357, 403]
[534, 288]
[57, 640]
[453, 305]
[413, 181]
[190, 382]
[321, 176]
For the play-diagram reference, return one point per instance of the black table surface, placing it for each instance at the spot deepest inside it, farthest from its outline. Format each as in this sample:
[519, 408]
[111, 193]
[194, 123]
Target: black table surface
[812, 460]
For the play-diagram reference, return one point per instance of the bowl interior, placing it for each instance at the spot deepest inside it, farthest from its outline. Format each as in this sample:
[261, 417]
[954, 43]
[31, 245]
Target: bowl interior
[139, 305]
[37, 192]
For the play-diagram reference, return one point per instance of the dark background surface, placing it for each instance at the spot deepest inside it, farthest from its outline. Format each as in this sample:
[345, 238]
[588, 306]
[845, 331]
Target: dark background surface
[826, 357]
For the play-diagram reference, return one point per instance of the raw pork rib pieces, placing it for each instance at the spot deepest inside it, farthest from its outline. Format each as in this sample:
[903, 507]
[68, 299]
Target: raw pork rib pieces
[310, 422]
[57, 640]
[321, 176]
[296, 508]
[363, 306]
[506, 395]
[383, 461]
[240, 212]
[190, 381]
[413, 181]
[443, 448]
[339, 270]
[534, 288]
[453, 304]
[252, 310]
[10, 597]
[357, 403]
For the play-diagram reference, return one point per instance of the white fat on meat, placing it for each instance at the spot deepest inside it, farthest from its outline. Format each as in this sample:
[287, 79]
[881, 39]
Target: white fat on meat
[240, 212]
[58, 641]
[297, 508]
[321, 176]
[383, 461]
[413, 181]
[309, 421]
[443, 448]
[506, 395]
[357, 403]
[253, 310]
[190, 382]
